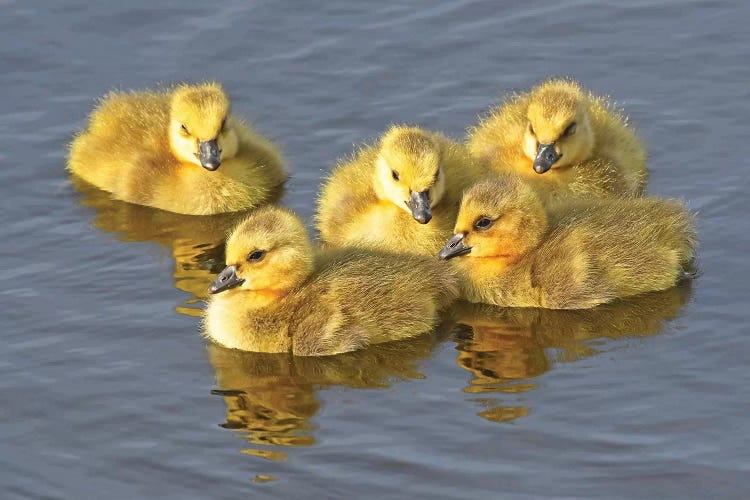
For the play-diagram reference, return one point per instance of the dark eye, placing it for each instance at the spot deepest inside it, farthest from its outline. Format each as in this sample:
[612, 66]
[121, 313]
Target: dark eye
[395, 175]
[483, 223]
[256, 256]
[184, 129]
[531, 128]
[571, 129]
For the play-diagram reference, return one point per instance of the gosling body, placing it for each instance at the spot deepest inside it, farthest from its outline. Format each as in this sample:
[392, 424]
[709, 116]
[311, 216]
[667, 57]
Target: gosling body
[400, 195]
[564, 141]
[179, 150]
[332, 302]
[514, 251]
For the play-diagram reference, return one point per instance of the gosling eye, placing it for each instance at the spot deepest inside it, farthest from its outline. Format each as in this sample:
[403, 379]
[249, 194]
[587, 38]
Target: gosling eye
[570, 130]
[531, 129]
[256, 256]
[184, 129]
[394, 174]
[483, 223]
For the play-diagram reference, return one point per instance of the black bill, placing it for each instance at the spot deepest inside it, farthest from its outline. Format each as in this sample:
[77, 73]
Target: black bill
[225, 280]
[454, 248]
[420, 207]
[209, 154]
[546, 157]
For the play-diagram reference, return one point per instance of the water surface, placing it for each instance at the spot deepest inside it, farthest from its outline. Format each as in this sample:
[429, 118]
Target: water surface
[108, 387]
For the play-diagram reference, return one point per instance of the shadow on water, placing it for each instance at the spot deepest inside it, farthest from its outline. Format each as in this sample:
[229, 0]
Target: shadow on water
[196, 242]
[505, 349]
[271, 398]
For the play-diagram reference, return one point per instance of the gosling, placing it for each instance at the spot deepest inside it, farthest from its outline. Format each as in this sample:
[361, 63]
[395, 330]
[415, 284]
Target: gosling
[563, 140]
[401, 195]
[276, 296]
[515, 252]
[180, 150]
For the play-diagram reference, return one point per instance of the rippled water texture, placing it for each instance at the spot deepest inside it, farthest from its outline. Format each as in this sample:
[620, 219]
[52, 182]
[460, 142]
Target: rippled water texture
[109, 390]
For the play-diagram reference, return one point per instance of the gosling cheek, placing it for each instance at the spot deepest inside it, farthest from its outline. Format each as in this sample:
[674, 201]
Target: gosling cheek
[228, 145]
[530, 147]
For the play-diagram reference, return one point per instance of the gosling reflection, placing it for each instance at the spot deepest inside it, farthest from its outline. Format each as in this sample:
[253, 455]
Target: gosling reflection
[270, 398]
[506, 348]
[196, 242]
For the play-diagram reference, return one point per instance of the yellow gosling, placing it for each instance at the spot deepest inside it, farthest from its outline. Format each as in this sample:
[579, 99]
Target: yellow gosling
[401, 195]
[512, 251]
[564, 140]
[276, 296]
[179, 150]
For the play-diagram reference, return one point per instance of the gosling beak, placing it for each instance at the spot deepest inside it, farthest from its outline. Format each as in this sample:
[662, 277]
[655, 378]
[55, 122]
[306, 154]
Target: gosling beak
[209, 154]
[546, 157]
[454, 248]
[225, 280]
[420, 207]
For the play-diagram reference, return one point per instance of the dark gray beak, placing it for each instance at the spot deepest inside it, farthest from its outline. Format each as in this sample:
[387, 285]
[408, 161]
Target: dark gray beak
[420, 207]
[209, 154]
[454, 248]
[546, 157]
[225, 280]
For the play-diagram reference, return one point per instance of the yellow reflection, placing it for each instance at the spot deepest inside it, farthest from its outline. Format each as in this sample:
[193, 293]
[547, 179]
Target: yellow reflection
[504, 413]
[264, 478]
[506, 348]
[271, 398]
[196, 242]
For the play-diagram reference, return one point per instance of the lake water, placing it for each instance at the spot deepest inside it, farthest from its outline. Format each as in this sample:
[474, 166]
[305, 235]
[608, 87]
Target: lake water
[109, 391]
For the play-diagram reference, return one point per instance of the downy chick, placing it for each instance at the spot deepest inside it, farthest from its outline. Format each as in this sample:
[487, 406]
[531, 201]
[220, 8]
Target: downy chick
[563, 140]
[574, 255]
[401, 195]
[179, 150]
[276, 296]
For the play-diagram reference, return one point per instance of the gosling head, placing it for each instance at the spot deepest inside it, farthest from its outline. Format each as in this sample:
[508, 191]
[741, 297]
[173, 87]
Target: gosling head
[201, 131]
[558, 133]
[499, 218]
[409, 173]
[267, 252]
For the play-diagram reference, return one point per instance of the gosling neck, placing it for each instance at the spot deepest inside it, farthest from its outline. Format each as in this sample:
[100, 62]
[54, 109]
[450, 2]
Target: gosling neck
[266, 298]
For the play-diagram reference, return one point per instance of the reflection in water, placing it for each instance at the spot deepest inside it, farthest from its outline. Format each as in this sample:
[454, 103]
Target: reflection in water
[196, 242]
[506, 348]
[270, 398]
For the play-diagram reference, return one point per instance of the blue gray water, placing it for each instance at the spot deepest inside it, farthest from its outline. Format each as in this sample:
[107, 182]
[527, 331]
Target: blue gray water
[108, 390]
